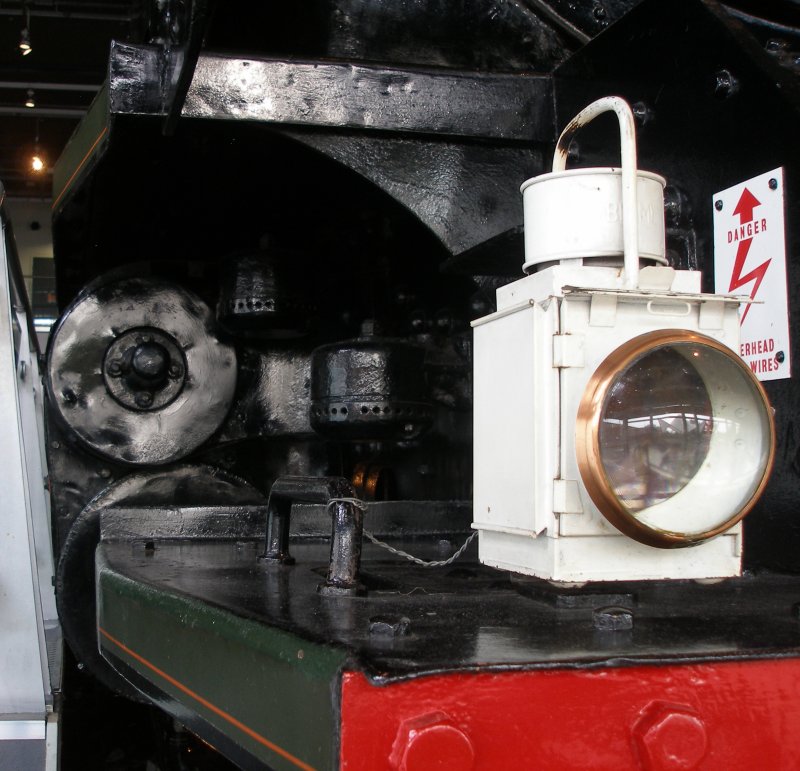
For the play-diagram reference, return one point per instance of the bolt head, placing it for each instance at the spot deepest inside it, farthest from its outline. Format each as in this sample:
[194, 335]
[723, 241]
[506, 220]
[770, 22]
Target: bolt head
[175, 370]
[150, 361]
[670, 737]
[642, 114]
[143, 399]
[114, 368]
[574, 152]
[612, 619]
[389, 626]
[775, 46]
[431, 740]
[369, 328]
[726, 84]
[718, 205]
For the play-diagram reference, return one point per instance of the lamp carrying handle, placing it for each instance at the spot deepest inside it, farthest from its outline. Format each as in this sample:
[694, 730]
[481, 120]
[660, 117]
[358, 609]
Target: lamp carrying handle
[627, 138]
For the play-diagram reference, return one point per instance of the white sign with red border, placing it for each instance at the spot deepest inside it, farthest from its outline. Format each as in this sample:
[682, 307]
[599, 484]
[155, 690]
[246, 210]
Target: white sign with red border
[750, 260]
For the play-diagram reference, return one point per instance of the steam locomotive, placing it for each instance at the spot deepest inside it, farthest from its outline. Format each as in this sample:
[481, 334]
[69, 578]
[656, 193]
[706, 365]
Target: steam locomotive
[274, 232]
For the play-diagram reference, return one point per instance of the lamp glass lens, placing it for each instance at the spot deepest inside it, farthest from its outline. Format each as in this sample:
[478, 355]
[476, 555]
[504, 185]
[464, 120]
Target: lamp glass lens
[681, 438]
[655, 429]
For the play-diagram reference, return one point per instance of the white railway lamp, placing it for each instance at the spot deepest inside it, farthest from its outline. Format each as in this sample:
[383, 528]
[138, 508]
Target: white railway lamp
[615, 424]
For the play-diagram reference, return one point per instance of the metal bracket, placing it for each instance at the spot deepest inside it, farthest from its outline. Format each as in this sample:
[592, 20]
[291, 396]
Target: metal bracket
[346, 528]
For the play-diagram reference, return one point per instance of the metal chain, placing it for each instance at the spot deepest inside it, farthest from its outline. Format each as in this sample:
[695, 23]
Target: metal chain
[417, 560]
[358, 503]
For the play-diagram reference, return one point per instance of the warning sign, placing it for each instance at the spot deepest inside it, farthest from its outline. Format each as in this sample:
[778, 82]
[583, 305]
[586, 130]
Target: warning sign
[750, 260]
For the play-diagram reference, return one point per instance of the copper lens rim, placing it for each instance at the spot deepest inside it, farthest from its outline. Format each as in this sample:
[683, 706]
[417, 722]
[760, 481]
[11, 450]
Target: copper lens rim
[587, 438]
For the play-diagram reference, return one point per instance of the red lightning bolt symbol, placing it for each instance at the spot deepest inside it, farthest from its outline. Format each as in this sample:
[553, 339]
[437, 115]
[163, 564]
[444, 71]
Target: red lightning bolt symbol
[744, 209]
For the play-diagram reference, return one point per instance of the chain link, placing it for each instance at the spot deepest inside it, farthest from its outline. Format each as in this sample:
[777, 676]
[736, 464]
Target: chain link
[417, 560]
[359, 504]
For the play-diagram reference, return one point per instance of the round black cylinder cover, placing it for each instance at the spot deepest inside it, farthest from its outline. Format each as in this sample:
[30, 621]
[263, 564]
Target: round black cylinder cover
[260, 295]
[137, 372]
[369, 388]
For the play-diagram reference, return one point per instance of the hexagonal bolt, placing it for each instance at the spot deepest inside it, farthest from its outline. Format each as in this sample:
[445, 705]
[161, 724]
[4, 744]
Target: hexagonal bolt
[431, 740]
[114, 368]
[389, 626]
[726, 84]
[369, 328]
[612, 619]
[573, 152]
[670, 737]
[175, 370]
[677, 209]
[143, 399]
[642, 113]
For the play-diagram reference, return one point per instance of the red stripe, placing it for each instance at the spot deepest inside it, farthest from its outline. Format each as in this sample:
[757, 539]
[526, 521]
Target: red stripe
[208, 705]
[80, 166]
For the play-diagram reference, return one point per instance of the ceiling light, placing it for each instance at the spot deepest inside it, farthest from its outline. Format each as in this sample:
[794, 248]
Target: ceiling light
[25, 42]
[29, 100]
[37, 159]
[25, 34]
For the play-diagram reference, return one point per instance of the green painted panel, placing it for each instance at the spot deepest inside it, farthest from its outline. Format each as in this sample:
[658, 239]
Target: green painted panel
[85, 143]
[269, 691]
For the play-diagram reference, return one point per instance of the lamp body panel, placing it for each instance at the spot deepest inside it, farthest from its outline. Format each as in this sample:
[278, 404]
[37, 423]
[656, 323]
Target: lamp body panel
[535, 359]
[516, 422]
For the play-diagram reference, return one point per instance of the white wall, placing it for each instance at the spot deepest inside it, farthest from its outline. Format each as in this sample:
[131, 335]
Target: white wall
[24, 213]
